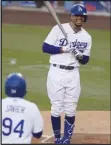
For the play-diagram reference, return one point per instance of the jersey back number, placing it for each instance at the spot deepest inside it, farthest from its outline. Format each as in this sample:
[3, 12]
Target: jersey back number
[7, 123]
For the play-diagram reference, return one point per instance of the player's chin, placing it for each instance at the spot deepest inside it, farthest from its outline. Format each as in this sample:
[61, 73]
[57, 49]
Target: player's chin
[78, 25]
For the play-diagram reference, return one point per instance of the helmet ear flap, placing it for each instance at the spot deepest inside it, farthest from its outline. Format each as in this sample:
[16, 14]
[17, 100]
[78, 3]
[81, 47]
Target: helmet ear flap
[25, 93]
[85, 18]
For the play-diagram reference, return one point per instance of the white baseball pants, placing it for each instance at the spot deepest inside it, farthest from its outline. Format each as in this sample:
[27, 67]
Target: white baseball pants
[63, 87]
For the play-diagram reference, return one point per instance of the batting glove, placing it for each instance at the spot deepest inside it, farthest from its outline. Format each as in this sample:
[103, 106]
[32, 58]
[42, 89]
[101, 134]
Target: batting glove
[77, 53]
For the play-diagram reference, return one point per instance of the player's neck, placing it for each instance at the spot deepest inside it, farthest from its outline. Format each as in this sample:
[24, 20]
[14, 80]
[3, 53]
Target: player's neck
[75, 28]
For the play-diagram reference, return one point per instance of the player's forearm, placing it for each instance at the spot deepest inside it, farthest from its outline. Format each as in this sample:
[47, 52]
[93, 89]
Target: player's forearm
[47, 48]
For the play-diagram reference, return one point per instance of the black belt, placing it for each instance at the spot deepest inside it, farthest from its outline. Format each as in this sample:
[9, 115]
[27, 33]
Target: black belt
[64, 67]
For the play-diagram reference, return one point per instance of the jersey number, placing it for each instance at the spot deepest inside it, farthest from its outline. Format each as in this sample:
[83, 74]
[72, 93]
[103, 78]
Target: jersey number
[8, 124]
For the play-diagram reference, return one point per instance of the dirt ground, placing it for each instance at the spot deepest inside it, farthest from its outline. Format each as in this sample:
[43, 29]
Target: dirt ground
[91, 126]
[44, 18]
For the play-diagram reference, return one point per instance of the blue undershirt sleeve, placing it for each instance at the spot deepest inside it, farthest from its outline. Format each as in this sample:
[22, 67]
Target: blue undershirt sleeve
[37, 135]
[47, 48]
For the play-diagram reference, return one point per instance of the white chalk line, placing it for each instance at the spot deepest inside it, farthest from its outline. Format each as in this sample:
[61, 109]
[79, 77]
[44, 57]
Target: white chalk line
[47, 137]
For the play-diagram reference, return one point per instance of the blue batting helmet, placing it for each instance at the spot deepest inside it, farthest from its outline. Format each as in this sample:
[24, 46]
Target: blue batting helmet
[15, 85]
[79, 9]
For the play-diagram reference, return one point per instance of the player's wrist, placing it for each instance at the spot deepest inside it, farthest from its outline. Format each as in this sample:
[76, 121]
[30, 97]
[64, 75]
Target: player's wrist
[63, 50]
[77, 53]
[79, 57]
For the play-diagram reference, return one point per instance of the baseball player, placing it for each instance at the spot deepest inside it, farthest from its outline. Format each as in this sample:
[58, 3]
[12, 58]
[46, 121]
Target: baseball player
[21, 119]
[63, 81]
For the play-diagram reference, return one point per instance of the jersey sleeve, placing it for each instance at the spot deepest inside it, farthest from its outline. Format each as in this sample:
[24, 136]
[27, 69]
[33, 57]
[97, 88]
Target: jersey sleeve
[88, 48]
[52, 36]
[38, 122]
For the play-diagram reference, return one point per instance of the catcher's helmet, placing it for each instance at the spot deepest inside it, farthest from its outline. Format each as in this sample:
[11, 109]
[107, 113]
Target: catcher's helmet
[15, 85]
[79, 9]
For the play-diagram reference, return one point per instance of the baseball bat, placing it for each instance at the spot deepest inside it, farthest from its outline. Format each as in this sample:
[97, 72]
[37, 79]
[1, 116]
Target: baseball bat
[51, 10]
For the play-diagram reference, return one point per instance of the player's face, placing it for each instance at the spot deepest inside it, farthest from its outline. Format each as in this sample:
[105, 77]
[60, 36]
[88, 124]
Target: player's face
[77, 20]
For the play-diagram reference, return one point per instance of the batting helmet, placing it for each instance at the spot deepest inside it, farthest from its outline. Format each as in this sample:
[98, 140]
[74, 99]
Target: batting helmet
[15, 85]
[79, 9]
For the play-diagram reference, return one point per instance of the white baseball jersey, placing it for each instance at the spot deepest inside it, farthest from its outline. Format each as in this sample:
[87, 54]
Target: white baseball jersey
[20, 118]
[80, 40]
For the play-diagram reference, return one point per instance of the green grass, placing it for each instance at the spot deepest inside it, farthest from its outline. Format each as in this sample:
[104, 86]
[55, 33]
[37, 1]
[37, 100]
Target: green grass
[24, 43]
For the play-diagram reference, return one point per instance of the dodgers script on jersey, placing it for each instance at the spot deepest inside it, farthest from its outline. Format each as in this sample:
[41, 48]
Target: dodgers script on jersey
[80, 40]
[20, 118]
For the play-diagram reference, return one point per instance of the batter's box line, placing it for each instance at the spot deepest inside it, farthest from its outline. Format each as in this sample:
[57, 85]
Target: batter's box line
[47, 137]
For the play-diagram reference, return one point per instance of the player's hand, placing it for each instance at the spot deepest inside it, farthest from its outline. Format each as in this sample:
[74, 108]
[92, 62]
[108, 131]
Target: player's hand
[66, 49]
[77, 53]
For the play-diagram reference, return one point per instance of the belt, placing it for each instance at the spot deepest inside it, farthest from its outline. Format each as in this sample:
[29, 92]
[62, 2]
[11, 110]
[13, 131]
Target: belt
[64, 67]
